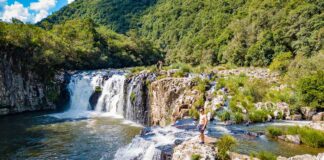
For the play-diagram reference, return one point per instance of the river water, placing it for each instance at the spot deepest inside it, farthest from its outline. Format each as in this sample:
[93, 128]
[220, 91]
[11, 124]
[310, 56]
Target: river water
[38, 136]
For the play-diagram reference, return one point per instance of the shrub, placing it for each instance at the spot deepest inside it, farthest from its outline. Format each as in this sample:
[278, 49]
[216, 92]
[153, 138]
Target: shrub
[98, 89]
[224, 144]
[274, 132]
[225, 116]
[195, 157]
[264, 155]
[193, 112]
[281, 62]
[311, 89]
[257, 89]
[258, 116]
[238, 118]
[201, 84]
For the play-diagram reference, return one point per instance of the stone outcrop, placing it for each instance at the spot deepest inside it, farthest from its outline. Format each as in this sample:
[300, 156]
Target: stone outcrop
[308, 112]
[320, 156]
[290, 138]
[185, 150]
[318, 117]
[21, 89]
[317, 125]
[137, 101]
[171, 99]
[260, 73]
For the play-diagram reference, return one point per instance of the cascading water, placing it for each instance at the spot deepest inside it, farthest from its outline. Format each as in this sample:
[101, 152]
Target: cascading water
[84, 84]
[81, 87]
[112, 97]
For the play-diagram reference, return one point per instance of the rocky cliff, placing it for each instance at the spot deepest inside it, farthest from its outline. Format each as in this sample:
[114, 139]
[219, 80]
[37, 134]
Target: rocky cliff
[21, 89]
[171, 99]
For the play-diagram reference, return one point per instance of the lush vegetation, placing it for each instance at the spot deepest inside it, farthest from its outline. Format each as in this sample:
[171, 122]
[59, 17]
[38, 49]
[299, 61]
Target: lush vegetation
[225, 144]
[308, 136]
[244, 32]
[76, 44]
[118, 15]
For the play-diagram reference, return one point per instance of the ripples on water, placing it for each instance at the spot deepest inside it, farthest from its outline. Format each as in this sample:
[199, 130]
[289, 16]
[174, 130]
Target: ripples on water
[35, 136]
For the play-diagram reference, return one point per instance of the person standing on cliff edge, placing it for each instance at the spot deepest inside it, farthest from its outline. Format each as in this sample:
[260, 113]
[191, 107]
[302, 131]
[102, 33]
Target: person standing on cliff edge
[202, 124]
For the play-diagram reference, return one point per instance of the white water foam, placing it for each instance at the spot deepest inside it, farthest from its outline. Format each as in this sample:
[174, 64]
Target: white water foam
[145, 147]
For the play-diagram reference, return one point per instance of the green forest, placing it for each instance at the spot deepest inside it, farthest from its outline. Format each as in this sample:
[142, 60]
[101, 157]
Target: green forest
[243, 32]
[75, 44]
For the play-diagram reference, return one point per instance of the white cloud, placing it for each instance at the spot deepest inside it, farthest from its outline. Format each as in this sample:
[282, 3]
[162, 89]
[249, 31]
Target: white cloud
[34, 13]
[41, 8]
[70, 1]
[16, 10]
[40, 15]
[42, 5]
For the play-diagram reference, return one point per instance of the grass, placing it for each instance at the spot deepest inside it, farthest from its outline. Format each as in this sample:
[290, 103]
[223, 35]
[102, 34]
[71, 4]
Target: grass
[238, 118]
[195, 157]
[264, 155]
[274, 131]
[257, 116]
[98, 89]
[225, 144]
[225, 116]
[308, 136]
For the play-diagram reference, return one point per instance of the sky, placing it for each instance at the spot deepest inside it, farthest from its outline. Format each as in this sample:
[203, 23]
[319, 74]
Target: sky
[29, 11]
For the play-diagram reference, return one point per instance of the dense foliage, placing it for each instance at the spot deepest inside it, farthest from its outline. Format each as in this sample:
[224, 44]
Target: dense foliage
[76, 44]
[118, 15]
[242, 32]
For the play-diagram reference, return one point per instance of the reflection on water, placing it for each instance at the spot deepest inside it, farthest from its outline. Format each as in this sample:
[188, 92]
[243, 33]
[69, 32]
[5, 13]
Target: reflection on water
[35, 136]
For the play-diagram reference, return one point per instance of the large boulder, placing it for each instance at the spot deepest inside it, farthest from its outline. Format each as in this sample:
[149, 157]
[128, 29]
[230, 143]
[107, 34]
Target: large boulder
[290, 138]
[296, 117]
[317, 125]
[171, 99]
[308, 112]
[318, 117]
[93, 100]
[191, 147]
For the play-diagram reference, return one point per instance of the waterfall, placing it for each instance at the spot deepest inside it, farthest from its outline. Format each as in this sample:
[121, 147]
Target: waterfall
[108, 92]
[112, 96]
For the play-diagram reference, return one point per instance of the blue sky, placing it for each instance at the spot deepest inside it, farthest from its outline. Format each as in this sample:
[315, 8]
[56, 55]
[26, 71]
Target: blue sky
[30, 11]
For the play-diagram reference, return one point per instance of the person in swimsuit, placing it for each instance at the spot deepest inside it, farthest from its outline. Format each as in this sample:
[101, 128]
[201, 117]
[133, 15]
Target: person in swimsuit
[202, 124]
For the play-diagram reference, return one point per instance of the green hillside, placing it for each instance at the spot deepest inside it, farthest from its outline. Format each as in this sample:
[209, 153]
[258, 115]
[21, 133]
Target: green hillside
[240, 32]
[76, 44]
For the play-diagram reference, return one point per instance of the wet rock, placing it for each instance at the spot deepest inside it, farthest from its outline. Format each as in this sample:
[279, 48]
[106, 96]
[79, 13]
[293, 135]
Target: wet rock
[318, 117]
[4, 111]
[308, 112]
[290, 138]
[94, 100]
[191, 147]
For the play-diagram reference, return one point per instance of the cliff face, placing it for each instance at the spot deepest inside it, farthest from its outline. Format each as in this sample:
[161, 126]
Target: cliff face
[22, 89]
[171, 99]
